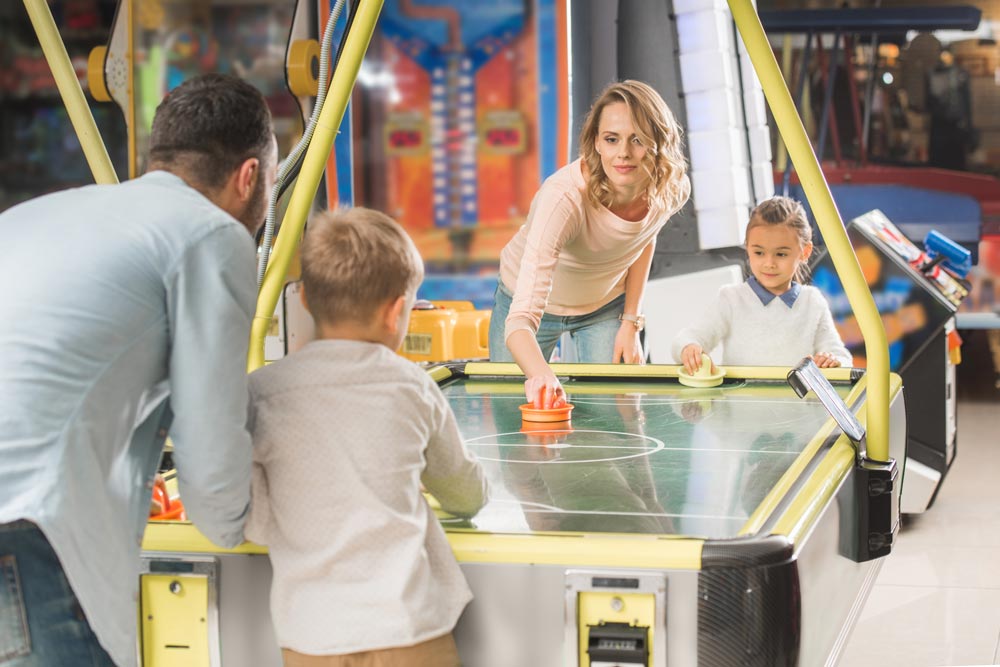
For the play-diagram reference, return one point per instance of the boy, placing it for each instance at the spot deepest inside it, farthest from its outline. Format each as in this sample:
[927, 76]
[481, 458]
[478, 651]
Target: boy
[345, 431]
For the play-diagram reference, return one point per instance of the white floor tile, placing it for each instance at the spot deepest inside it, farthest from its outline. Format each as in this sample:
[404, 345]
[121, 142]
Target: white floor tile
[942, 565]
[920, 626]
[937, 599]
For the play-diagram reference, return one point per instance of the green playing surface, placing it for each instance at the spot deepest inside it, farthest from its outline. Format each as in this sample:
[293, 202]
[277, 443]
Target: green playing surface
[640, 457]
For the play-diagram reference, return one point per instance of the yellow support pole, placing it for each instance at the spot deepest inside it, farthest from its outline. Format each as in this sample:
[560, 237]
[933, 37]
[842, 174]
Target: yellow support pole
[781, 159]
[313, 165]
[818, 193]
[71, 92]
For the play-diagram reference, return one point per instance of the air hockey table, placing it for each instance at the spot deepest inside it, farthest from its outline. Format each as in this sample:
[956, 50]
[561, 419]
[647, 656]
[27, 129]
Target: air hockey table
[663, 525]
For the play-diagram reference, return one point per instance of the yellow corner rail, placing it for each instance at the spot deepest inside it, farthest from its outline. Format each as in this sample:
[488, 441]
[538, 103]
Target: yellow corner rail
[818, 193]
[313, 164]
[71, 92]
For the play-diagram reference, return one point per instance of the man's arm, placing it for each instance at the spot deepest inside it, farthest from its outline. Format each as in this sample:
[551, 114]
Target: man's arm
[211, 299]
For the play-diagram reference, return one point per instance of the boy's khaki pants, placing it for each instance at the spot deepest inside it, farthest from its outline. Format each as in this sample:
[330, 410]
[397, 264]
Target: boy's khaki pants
[440, 652]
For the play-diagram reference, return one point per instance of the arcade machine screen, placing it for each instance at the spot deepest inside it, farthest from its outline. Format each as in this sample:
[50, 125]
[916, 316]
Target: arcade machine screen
[168, 43]
[913, 306]
[457, 117]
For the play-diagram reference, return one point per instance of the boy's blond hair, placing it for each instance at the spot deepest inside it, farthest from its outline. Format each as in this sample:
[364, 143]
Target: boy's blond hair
[354, 260]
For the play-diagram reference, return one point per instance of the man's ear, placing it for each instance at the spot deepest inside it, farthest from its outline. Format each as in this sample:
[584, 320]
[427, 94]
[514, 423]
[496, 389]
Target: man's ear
[246, 177]
[392, 312]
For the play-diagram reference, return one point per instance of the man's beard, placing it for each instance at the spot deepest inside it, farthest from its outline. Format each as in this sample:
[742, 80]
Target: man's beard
[255, 211]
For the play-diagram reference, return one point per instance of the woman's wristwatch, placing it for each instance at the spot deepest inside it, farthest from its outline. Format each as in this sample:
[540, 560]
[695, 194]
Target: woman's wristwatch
[638, 320]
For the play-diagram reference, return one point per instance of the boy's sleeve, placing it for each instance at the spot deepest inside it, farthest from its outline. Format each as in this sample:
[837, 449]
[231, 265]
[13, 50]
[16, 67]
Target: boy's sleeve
[452, 475]
[710, 327]
[827, 338]
[211, 294]
[259, 520]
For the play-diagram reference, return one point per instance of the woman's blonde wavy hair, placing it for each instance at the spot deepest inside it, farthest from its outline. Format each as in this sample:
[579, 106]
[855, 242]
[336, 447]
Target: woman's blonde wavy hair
[659, 132]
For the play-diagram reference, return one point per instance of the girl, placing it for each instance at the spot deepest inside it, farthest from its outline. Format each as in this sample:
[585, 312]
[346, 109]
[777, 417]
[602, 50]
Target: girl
[580, 262]
[771, 319]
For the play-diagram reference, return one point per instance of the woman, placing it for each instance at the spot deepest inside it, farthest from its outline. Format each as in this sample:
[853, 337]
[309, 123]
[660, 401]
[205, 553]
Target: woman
[580, 262]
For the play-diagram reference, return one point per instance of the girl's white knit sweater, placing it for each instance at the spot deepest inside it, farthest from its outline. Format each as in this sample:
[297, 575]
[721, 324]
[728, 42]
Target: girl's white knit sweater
[753, 334]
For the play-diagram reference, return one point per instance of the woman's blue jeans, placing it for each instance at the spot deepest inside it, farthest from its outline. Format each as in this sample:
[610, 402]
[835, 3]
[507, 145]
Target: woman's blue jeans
[593, 334]
[41, 622]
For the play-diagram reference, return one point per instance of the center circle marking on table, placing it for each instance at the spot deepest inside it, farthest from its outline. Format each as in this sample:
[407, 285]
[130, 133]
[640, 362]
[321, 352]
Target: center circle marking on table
[656, 445]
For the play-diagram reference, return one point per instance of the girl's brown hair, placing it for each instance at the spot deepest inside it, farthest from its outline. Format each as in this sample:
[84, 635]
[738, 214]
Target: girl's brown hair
[659, 133]
[780, 210]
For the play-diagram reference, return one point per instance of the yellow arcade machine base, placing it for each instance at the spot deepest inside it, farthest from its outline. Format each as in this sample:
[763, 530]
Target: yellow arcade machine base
[178, 614]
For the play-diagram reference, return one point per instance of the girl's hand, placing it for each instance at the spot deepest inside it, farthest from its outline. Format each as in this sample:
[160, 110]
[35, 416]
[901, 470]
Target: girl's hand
[691, 358]
[825, 360]
[628, 349]
[544, 392]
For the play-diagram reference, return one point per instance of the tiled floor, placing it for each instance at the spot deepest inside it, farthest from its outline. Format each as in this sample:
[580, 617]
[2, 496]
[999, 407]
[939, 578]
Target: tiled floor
[937, 599]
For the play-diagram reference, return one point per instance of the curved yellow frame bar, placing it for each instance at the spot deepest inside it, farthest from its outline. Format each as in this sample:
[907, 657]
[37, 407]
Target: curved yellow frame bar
[71, 92]
[313, 165]
[818, 193]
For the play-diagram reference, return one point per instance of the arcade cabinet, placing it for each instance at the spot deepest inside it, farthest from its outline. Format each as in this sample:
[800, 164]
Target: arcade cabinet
[917, 293]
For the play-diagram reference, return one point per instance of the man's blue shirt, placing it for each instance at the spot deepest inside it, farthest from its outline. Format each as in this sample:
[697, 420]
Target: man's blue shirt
[125, 307]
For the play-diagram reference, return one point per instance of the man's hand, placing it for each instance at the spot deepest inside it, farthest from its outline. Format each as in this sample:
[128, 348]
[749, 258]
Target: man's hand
[160, 501]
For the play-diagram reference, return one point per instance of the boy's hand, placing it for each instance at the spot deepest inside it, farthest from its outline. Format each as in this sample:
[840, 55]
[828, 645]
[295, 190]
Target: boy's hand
[691, 358]
[825, 360]
[544, 392]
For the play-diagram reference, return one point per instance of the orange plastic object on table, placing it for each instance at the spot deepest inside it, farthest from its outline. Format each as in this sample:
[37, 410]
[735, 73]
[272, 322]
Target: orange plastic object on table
[544, 428]
[173, 510]
[530, 413]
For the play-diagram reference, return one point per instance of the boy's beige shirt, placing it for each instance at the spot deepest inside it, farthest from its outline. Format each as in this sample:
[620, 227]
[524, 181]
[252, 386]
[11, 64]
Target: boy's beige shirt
[344, 432]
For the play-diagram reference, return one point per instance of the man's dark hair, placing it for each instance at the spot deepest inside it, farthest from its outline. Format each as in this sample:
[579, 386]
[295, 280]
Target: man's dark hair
[209, 125]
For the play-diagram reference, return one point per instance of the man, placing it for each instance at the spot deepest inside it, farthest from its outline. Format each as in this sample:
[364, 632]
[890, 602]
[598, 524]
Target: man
[126, 312]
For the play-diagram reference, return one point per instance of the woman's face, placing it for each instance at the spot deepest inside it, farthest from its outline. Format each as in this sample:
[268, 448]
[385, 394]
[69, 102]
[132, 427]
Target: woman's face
[620, 149]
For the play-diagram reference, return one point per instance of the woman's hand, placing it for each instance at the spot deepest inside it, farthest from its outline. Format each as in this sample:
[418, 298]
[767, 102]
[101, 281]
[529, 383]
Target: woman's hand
[691, 358]
[628, 349]
[544, 392]
[825, 360]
